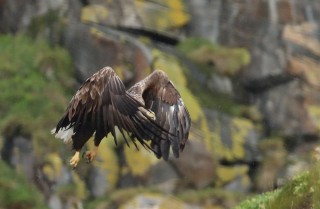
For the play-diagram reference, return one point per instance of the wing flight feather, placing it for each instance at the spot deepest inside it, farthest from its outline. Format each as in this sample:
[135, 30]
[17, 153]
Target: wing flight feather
[171, 114]
[102, 103]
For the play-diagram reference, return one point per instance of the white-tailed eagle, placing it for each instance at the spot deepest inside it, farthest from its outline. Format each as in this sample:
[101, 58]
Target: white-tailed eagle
[152, 109]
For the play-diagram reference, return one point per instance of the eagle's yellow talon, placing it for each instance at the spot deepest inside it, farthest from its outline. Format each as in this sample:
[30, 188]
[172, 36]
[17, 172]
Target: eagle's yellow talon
[151, 115]
[75, 159]
[148, 113]
[91, 155]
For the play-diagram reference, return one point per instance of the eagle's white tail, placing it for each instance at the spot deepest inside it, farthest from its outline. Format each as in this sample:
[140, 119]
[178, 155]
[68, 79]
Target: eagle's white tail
[64, 133]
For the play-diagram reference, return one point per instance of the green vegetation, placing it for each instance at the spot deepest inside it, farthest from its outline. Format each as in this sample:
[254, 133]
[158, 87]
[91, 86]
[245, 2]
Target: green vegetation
[16, 192]
[301, 192]
[34, 79]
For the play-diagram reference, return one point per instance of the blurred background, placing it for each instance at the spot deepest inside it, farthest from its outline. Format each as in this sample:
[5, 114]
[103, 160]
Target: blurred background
[248, 71]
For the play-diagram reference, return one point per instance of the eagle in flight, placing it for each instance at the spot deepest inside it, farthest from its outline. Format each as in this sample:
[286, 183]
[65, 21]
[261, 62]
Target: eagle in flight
[151, 110]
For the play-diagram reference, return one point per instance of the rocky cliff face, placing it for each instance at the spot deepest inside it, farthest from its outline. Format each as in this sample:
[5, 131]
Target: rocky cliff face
[247, 70]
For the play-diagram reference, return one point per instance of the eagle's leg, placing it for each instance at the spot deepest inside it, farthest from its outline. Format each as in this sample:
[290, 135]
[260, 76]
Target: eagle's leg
[90, 155]
[75, 159]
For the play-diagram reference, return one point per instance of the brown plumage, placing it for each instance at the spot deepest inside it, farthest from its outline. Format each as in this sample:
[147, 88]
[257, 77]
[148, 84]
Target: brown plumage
[152, 109]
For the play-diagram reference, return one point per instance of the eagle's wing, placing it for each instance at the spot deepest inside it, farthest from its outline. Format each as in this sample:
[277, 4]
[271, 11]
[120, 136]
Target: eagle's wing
[102, 103]
[171, 114]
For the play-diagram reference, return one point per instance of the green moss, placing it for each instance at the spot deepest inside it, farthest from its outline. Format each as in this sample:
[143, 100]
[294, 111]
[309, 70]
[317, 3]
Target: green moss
[34, 77]
[259, 201]
[301, 192]
[212, 99]
[227, 61]
[18, 193]
[295, 194]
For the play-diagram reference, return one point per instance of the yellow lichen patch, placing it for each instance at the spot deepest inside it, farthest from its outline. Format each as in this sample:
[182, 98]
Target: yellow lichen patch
[52, 167]
[314, 113]
[163, 15]
[177, 12]
[94, 13]
[107, 160]
[226, 174]
[139, 161]
[240, 129]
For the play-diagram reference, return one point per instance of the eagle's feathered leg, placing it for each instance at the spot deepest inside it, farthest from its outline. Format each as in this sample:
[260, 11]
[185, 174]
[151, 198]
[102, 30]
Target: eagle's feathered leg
[91, 155]
[75, 159]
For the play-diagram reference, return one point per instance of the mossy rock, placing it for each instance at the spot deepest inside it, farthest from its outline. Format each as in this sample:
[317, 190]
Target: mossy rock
[208, 97]
[214, 58]
[52, 166]
[94, 13]
[162, 16]
[139, 161]
[211, 198]
[153, 200]
[274, 156]
[16, 192]
[36, 79]
[75, 190]
[301, 192]
[239, 129]
[226, 174]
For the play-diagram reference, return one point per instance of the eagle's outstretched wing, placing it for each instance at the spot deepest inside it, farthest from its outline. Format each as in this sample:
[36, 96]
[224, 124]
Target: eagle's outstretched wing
[161, 97]
[99, 105]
